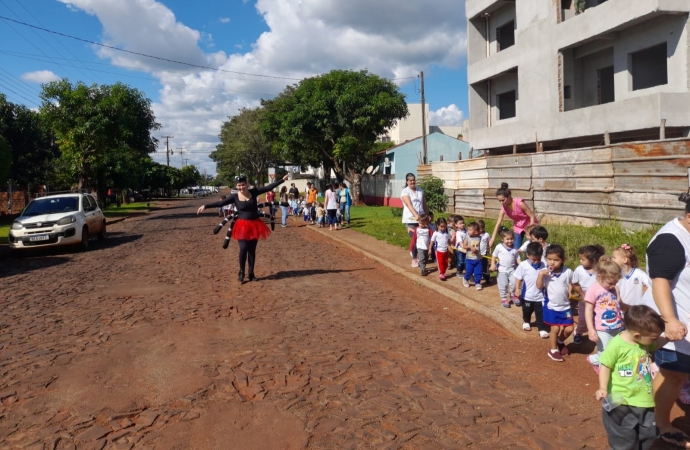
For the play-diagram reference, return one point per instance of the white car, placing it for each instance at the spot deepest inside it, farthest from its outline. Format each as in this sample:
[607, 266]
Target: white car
[64, 219]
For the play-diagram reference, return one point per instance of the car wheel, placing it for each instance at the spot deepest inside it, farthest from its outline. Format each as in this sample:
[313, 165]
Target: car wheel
[102, 233]
[84, 244]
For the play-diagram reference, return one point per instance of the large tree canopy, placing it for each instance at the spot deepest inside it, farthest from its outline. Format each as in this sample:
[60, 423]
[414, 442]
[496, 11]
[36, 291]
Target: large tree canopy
[31, 143]
[334, 119]
[102, 131]
[243, 148]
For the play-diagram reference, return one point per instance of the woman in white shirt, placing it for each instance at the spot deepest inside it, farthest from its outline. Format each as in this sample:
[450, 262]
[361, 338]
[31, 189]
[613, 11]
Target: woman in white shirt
[413, 205]
[332, 207]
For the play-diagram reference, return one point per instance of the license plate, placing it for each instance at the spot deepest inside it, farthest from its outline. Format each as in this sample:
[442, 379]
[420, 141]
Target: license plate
[42, 237]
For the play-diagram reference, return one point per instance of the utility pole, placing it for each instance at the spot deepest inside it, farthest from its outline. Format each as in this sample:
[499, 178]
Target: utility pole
[181, 151]
[168, 151]
[425, 159]
[185, 161]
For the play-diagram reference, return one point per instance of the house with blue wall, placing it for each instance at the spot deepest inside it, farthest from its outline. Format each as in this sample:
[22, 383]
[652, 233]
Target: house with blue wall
[385, 186]
[404, 158]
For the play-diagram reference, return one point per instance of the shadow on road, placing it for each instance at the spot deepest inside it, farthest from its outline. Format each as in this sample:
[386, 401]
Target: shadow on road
[16, 266]
[175, 216]
[304, 273]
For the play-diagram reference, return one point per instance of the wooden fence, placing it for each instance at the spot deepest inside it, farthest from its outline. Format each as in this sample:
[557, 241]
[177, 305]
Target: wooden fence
[634, 183]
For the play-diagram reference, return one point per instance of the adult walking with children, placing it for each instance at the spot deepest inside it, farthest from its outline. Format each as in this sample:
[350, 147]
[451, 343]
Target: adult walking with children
[332, 207]
[414, 205]
[345, 202]
[517, 210]
[249, 228]
[668, 264]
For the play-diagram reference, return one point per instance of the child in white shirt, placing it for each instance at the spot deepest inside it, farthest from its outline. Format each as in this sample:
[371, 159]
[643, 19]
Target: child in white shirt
[635, 282]
[507, 257]
[422, 241]
[440, 239]
[484, 249]
[458, 239]
[531, 297]
[555, 281]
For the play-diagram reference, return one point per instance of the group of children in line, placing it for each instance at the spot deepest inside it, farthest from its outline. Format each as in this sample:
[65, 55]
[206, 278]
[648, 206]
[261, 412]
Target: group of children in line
[608, 291]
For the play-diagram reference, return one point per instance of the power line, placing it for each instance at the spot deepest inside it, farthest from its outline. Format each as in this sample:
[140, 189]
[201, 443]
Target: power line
[56, 40]
[144, 78]
[17, 86]
[19, 22]
[18, 95]
[26, 39]
[28, 86]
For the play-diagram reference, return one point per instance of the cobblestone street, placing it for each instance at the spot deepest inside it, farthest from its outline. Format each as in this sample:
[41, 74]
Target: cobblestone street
[148, 341]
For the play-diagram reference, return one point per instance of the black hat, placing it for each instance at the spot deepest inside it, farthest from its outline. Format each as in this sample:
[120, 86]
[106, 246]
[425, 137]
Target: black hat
[240, 178]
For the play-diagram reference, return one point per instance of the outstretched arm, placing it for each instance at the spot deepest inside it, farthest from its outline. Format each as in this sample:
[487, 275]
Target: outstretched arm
[498, 225]
[229, 199]
[270, 187]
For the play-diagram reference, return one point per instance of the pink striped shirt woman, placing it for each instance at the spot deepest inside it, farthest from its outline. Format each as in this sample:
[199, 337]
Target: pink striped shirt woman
[517, 210]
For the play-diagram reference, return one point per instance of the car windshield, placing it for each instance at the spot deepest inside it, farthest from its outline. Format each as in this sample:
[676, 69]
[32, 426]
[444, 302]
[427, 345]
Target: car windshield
[51, 206]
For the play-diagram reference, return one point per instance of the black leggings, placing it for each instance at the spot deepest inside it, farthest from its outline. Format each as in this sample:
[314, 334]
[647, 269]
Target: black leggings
[247, 249]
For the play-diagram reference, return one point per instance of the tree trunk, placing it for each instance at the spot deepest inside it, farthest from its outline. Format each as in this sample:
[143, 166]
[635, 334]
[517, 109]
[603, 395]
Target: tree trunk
[356, 194]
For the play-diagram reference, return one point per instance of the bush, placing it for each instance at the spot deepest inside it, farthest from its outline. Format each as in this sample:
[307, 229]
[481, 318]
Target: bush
[433, 193]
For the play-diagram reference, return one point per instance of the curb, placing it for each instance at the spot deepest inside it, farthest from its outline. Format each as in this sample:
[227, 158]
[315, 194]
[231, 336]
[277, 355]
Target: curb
[461, 299]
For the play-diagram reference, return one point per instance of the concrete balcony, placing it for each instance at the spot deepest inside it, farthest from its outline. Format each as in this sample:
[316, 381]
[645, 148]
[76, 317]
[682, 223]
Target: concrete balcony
[474, 8]
[494, 65]
[638, 113]
[605, 20]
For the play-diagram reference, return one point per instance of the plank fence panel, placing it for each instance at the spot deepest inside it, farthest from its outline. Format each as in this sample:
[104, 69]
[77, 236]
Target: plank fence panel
[469, 202]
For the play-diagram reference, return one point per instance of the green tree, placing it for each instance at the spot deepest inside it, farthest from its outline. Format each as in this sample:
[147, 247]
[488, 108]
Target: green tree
[33, 152]
[334, 119]
[435, 196]
[102, 131]
[5, 161]
[189, 175]
[243, 147]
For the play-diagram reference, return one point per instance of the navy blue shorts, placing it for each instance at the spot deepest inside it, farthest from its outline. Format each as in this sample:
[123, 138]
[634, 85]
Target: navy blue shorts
[558, 318]
[672, 360]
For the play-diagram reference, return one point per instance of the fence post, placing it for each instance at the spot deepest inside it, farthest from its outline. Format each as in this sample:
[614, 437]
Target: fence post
[662, 129]
[607, 138]
[514, 149]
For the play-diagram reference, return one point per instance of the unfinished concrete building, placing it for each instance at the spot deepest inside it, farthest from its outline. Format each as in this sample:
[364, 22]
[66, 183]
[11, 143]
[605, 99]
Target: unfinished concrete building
[577, 73]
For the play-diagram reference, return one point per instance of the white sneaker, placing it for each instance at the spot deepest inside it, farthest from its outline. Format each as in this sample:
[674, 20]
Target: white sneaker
[465, 283]
[526, 327]
[543, 334]
[415, 262]
[479, 287]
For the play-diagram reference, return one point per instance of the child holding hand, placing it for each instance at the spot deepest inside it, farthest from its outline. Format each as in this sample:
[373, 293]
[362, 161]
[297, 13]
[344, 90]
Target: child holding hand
[507, 257]
[583, 277]
[459, 238]
[624, 372]
[531, 296]
[440, 240]
[422, 240]
[555, 282]
[634, 282]
[603, 309]
[473, 260]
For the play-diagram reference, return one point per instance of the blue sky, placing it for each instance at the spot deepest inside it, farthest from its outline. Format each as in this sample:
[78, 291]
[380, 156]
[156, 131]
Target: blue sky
[282, 40]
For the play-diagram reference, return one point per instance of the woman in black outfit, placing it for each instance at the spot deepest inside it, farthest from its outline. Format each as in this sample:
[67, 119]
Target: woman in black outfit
[249, 228]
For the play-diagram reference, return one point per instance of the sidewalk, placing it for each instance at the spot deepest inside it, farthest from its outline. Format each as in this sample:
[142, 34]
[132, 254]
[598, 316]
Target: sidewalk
[485, 302]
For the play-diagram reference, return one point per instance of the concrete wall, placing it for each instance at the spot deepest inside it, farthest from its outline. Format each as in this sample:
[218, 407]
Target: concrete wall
[410, 127]
[624, 25]
[382, 190]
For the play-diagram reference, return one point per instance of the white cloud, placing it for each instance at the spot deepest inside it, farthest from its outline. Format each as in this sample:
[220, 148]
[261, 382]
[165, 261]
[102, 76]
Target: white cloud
[40, 76]
[306, 37]
[449, 115]
[224, 20]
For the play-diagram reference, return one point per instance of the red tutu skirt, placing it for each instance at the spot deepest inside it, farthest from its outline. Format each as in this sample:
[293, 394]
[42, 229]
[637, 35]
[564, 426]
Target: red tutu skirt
[248, 230]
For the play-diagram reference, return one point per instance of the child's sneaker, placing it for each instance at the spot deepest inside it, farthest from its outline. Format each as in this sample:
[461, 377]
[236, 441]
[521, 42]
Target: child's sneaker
[556, 355]
[415, 262]
[543, 334]
[595, 366]
[516, 300]
[577, 339]
[442, 277]
[526, 327]
[505, 303]
[465, 283]
[479, 287]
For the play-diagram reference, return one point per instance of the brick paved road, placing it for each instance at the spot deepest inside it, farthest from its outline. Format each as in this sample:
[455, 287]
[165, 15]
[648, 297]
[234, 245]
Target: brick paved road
[148, 341]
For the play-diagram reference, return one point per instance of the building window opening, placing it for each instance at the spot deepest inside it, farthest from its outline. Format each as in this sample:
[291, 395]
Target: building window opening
[605, 85]
[567, 93]
[649, 67]
[505, 35]
[507, 105]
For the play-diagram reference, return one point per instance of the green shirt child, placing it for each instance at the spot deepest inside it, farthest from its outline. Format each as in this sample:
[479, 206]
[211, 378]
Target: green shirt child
[630, 372]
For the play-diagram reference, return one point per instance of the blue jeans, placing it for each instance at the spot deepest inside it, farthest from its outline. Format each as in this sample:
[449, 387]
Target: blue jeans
[284, 214]
[345, 211]
[517, 243]
[474, 267]
[459, 261]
